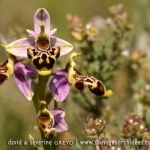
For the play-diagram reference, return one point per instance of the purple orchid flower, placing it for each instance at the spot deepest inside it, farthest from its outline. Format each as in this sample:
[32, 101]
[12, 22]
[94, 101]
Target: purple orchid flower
[41, 47]
[59, 85]
[23, 75]
[60, 124]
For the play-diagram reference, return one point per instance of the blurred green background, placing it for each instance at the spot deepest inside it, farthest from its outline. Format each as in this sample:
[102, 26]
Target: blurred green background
[17, 115]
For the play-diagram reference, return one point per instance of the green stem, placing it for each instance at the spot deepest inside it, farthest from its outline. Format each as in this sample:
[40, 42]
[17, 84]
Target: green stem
[42, 85]
[55, 104]
[36, 100]
[45, 147]
[54, 147]
[48, 98]
[35, 148]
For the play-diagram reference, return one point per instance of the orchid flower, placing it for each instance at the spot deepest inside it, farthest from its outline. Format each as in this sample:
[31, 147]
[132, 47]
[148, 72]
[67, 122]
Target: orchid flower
[23, 75]
[64, 78]
[51, 122]
[6, 70]
[40, 47]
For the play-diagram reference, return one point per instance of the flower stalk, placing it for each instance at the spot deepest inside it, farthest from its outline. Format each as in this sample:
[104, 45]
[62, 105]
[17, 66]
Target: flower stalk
[38, 96]
[42, 86]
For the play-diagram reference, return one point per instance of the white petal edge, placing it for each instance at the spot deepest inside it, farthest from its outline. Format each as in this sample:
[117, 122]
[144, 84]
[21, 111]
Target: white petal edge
[65, 47]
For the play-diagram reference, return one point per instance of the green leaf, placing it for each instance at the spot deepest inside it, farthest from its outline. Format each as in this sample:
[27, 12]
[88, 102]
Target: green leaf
[91, 136]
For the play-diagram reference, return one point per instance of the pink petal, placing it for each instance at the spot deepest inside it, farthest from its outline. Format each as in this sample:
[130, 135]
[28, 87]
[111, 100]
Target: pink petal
[60, 71]
[41, 15]
[24, 86]
[60, 124]
[57, 112]
[60, 88]
[52, 32]
[31, 33]
[19, 47]
[23, 78]
[65, 47]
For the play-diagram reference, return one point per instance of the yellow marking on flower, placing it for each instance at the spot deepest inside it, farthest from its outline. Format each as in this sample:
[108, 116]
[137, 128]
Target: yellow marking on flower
[47, 60]
[10, 65]
[40, 60]
[94, 85]
[71, 62]
[10, 69]
[108, 93]
[44, 73]
[71, 77]
[70, 67]
[42, 26]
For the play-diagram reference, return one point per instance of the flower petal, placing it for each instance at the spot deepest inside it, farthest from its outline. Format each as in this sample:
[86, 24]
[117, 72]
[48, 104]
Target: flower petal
[31, 33]
[23, 79]
[60, 124]
[19, 65]
[65, 47]
[60, 71]
[52, 32]
[31, 71]
[41, 15]
[19, 47]
[59, 87]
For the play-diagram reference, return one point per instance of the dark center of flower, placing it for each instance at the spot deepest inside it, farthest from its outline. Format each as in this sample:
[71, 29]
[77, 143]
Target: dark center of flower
[43, 43]
[44, 115]
[45, 120]
[3, 77]
[99, 90]
[3, 67]
[79, 86]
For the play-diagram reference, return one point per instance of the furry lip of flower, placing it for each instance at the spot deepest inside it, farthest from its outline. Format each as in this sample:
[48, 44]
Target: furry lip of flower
[41, 47]
[64, 78]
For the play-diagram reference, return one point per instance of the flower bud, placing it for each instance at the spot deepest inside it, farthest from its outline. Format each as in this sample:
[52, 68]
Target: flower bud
[134, 127]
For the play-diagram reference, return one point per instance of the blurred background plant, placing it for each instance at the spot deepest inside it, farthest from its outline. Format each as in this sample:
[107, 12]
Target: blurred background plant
[114, 40]
[103, 58]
